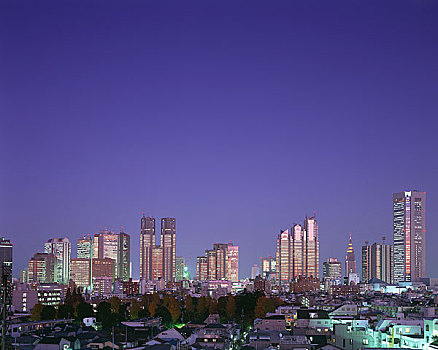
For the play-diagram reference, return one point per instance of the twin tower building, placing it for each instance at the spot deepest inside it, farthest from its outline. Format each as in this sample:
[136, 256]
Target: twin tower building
[158, 261]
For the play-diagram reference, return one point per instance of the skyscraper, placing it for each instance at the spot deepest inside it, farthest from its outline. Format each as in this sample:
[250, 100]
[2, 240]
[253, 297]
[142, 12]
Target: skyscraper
[409, 230]
[269, 267]
[233, 262]
[377, 262]
[168, 244]
[298, 251]
[255, 271]
[179, 268]
[124, 258]
[350, 259]
[43, 268]
[284, 259]
[202, 268]
[85, 248]
[61, 249]
[5, 259]
[110, 245]
[158, 261]
[80, 272]
[332, 270]
[219, 263]
[147, 242]
[312, 247]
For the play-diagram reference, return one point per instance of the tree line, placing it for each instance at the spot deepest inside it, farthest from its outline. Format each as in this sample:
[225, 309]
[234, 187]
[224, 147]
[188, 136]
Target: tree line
[242, 308]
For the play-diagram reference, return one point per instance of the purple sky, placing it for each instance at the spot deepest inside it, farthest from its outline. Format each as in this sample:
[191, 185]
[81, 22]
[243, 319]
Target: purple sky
[236, 118]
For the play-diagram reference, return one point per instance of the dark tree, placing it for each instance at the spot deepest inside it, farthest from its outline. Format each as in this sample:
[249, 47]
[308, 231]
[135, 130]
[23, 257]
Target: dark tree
[84, 310]
[166, 317]
[104, 314]
[48, 313]
[66, 311]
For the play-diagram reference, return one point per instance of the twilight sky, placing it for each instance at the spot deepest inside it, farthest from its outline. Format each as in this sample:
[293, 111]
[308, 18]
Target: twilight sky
[237, 118]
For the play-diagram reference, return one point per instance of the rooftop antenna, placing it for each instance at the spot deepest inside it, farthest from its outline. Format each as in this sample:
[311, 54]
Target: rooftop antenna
[383, 239]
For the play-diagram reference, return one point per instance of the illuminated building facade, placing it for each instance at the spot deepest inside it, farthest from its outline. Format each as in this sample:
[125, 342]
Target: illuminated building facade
[409, 231]
[350, 259]
[377, 262]
[80, 272]
[168, 245]
[158, 261]
[61, 249]
[42, 268]
[219, 263]
[268, 266]
[85, 248]
[298, 251]
[332, 270]
[147, 242]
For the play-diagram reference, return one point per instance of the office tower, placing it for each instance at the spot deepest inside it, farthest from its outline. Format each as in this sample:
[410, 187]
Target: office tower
[233, 262]
[284, 259]
[377, 262]
[179, 268]
[332, 270]
[61, 248]
[5, 259]
[157, 263]
[268, 266]
[202, 268]
[80, 272]
[312, 247]
[103, 268]
[85, 248]
[24, 276]
[43, 268]
[298, 251]
[409, 230]
[110, 245]
[124, 258]
[219, 263]
[255, 271]
[147, 242]
[168, 244]
[350, 260]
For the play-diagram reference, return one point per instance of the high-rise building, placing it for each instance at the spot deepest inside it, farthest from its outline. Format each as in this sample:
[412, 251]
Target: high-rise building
[157, 263]
[5, 259]
[409, 230]
[233, 262]
[150, 267]
[124, 258]
[80, 272]
[168, 244]
[268, 267]
[255, 271]
[350, 259]
[284, 259]
[312, 247]
[61, 249]
[202, 268]
[219, 263]
[103, 268]
[147, 242]
[110, 245]
[43, 268]
[377, 262]
[298, 251]
[332, 270]
[85, 248]
[179, 268]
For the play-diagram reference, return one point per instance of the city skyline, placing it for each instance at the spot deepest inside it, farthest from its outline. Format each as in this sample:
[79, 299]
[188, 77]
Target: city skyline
[233, 119]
